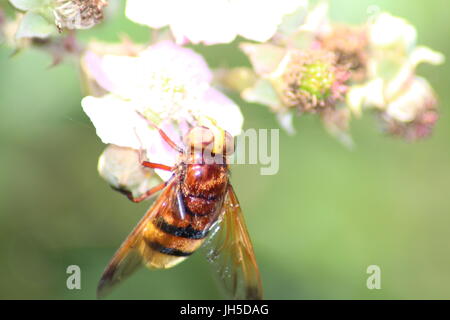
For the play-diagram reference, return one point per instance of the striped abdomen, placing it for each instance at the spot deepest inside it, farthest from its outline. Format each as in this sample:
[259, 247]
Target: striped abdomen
[171, 239]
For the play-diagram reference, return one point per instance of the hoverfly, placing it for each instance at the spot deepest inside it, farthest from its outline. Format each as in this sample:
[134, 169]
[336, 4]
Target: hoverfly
[197, 202]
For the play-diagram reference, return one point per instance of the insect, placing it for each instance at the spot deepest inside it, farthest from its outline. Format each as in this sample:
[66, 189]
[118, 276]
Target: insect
[197, 205]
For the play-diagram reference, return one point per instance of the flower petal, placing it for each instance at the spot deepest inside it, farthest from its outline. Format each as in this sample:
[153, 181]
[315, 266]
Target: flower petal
[166, 56]
[116, 121]
[317, 20]
[153, 13]
[370, 94]
[122, 75]
[92, 65]
[258, 20]
[125, 74]
[212, 22]
[413, 99]
[426, 55]
[158, 151]
[204, 21]
[407, 70]
[223, 110]
[388, 30]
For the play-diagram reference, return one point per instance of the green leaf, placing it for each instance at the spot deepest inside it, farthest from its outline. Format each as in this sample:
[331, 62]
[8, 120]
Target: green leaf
[26, 5]
[34, 25]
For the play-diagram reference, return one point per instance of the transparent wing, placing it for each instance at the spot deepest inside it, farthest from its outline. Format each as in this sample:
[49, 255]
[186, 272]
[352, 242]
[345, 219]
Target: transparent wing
[230, 251]
[133, 252]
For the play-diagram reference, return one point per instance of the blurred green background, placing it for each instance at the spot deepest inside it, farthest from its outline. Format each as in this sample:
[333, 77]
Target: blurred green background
[316, 226]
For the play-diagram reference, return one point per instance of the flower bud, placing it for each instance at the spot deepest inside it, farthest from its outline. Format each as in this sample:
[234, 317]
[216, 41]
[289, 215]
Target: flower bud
[121, 168]
[78, 14]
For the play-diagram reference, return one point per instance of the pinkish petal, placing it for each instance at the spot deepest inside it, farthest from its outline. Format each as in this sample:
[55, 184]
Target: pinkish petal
[168, 56]
[122, 75]
[159, 151]
[93, 65]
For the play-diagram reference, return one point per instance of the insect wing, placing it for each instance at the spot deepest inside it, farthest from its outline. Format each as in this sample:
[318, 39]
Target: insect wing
[230, 251]
[132, 253]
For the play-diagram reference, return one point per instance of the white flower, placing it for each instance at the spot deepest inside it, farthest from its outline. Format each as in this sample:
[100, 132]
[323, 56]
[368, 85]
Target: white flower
[368, 94]
[317, 20]
[412, 101]
[387, 30]
[168, 84]
[393, 65]
[213, 21]
[407, 70]
[413, 114]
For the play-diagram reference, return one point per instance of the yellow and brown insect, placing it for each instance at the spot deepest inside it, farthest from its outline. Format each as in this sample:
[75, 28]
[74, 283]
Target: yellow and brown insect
[196, 203]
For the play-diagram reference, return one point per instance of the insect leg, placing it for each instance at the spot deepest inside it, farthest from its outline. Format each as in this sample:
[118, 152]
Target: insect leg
[144, 196]
[153, 165]
[149, 164]
[163, 135]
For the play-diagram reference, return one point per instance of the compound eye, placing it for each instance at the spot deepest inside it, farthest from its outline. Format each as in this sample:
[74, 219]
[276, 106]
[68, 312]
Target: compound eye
[228, 147]
[200, 138]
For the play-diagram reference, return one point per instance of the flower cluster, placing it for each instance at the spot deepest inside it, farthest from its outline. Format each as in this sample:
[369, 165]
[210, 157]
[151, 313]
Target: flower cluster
[43, 18]
[405, 103]
[337, 71]
[213, 21]
[301, 63]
